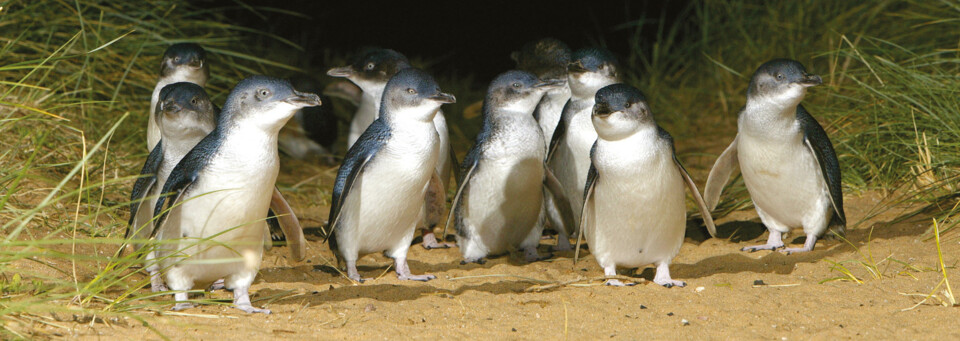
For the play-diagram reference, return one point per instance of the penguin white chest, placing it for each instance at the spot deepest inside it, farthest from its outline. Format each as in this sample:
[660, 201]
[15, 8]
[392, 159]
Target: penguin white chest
[506, 192]
[382, 210]
[781, 174]
[639, 214]
[572, 160]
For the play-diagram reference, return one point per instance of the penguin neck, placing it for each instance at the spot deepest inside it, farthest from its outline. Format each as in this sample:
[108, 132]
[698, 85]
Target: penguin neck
[370, 99]
[183, 74]
[765, 115]
[178, 146]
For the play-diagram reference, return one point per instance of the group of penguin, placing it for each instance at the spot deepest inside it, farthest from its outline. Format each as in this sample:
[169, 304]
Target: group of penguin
[563, 143]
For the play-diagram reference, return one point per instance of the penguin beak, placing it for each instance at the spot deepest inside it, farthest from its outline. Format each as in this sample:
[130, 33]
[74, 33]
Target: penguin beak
[343, 71]
[810, 80]
[303, 99]
[444, 98]
[195, 63]
[576, 67]
[550, 83]
[602, 110]
[169, 107]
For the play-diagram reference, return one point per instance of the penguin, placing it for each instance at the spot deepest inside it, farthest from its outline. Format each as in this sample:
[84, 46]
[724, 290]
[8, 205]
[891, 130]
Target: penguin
[380, 189]
[634, 212]
[185, 116]
[547, 58]
[313, 130]
[221, 190]
[785, 157]
[182, 62]
[370, 70]
[569, 151]
[498, 205]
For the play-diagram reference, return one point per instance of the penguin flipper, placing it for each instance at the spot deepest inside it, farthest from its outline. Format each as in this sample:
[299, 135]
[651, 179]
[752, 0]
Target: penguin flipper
[592, 176]
[289, 224]
[561, 203]
[819, 144]
[559, 133]
[184, 174]
[359, 155]
[723, 168]
[466, 171]
[701, 205]
[143, 187]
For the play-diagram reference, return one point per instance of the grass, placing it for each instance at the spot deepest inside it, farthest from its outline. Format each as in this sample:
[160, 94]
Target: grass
[75, 77]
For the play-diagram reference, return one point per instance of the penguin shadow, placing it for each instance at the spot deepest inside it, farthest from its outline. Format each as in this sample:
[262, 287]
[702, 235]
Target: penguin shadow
[392, 292]
[734, 231]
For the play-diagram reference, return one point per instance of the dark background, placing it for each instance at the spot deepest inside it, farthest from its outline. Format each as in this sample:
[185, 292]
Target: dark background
[456, 37]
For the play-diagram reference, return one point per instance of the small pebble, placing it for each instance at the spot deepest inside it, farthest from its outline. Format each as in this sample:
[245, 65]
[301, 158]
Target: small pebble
[643, 306]
[670, 314]
[513, 329]
[700, 289]
[759, 282]
[685, 322]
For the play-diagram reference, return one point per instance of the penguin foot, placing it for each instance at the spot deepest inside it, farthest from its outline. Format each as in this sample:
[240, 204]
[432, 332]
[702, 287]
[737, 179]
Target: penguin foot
[430, 242]
[756, 248]
[480, 261]
[563, 244]
[670, 283]
[156, 282]
[247, 308]
[618, 283]
[183, 306]
[531, 255]
[218, 285]
[793, 250]
[421, 278]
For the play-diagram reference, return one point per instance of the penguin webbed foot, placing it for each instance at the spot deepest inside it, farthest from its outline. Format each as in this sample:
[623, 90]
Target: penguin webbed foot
[531, 255]
[218, 285]
[241, 300]
[480, 261]
[421, 278]
[430, 242]
[156, 282]
[671, 283]
[807, 246]
[618, 283]
[755, 248]
[182, 306]
[250, 309]
[563, 245]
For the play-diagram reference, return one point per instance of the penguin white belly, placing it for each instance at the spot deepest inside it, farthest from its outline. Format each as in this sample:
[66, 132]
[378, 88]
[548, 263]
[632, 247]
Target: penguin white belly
[228, 209]
[783, 179]
[639, 212]
[504, 202]
[572, 159]
[443, 160]
[550, 109]
[386, 202]
[365, 115]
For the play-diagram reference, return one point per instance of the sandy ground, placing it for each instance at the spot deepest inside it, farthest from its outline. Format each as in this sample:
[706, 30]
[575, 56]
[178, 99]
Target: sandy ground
[729, 294]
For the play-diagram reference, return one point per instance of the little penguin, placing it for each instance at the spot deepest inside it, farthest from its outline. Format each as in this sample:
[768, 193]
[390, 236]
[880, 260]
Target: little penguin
[498, 205]
[370, 70]
[548, 58]
[787, 161]
[182, 62]
[569, 150]
[221, 190]
[634, 212]
[312, 130]
[379, 192]
[185, 116]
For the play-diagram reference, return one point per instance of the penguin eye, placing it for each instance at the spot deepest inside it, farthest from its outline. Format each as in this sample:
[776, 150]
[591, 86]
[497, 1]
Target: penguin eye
[411, 91]
[176, 59]
[263, 94]
[370, 66]
[779, 76]
[193, 101]
[627, 106]
[516, 85]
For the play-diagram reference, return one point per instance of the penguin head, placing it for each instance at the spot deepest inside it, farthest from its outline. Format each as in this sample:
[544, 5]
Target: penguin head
[781, 80]
[547, 58]
[518, 91]
[186, 62]
[185, 110]
[619, 111]
[412, 94]
[590, 70]
[265, 101]
[372, 67]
